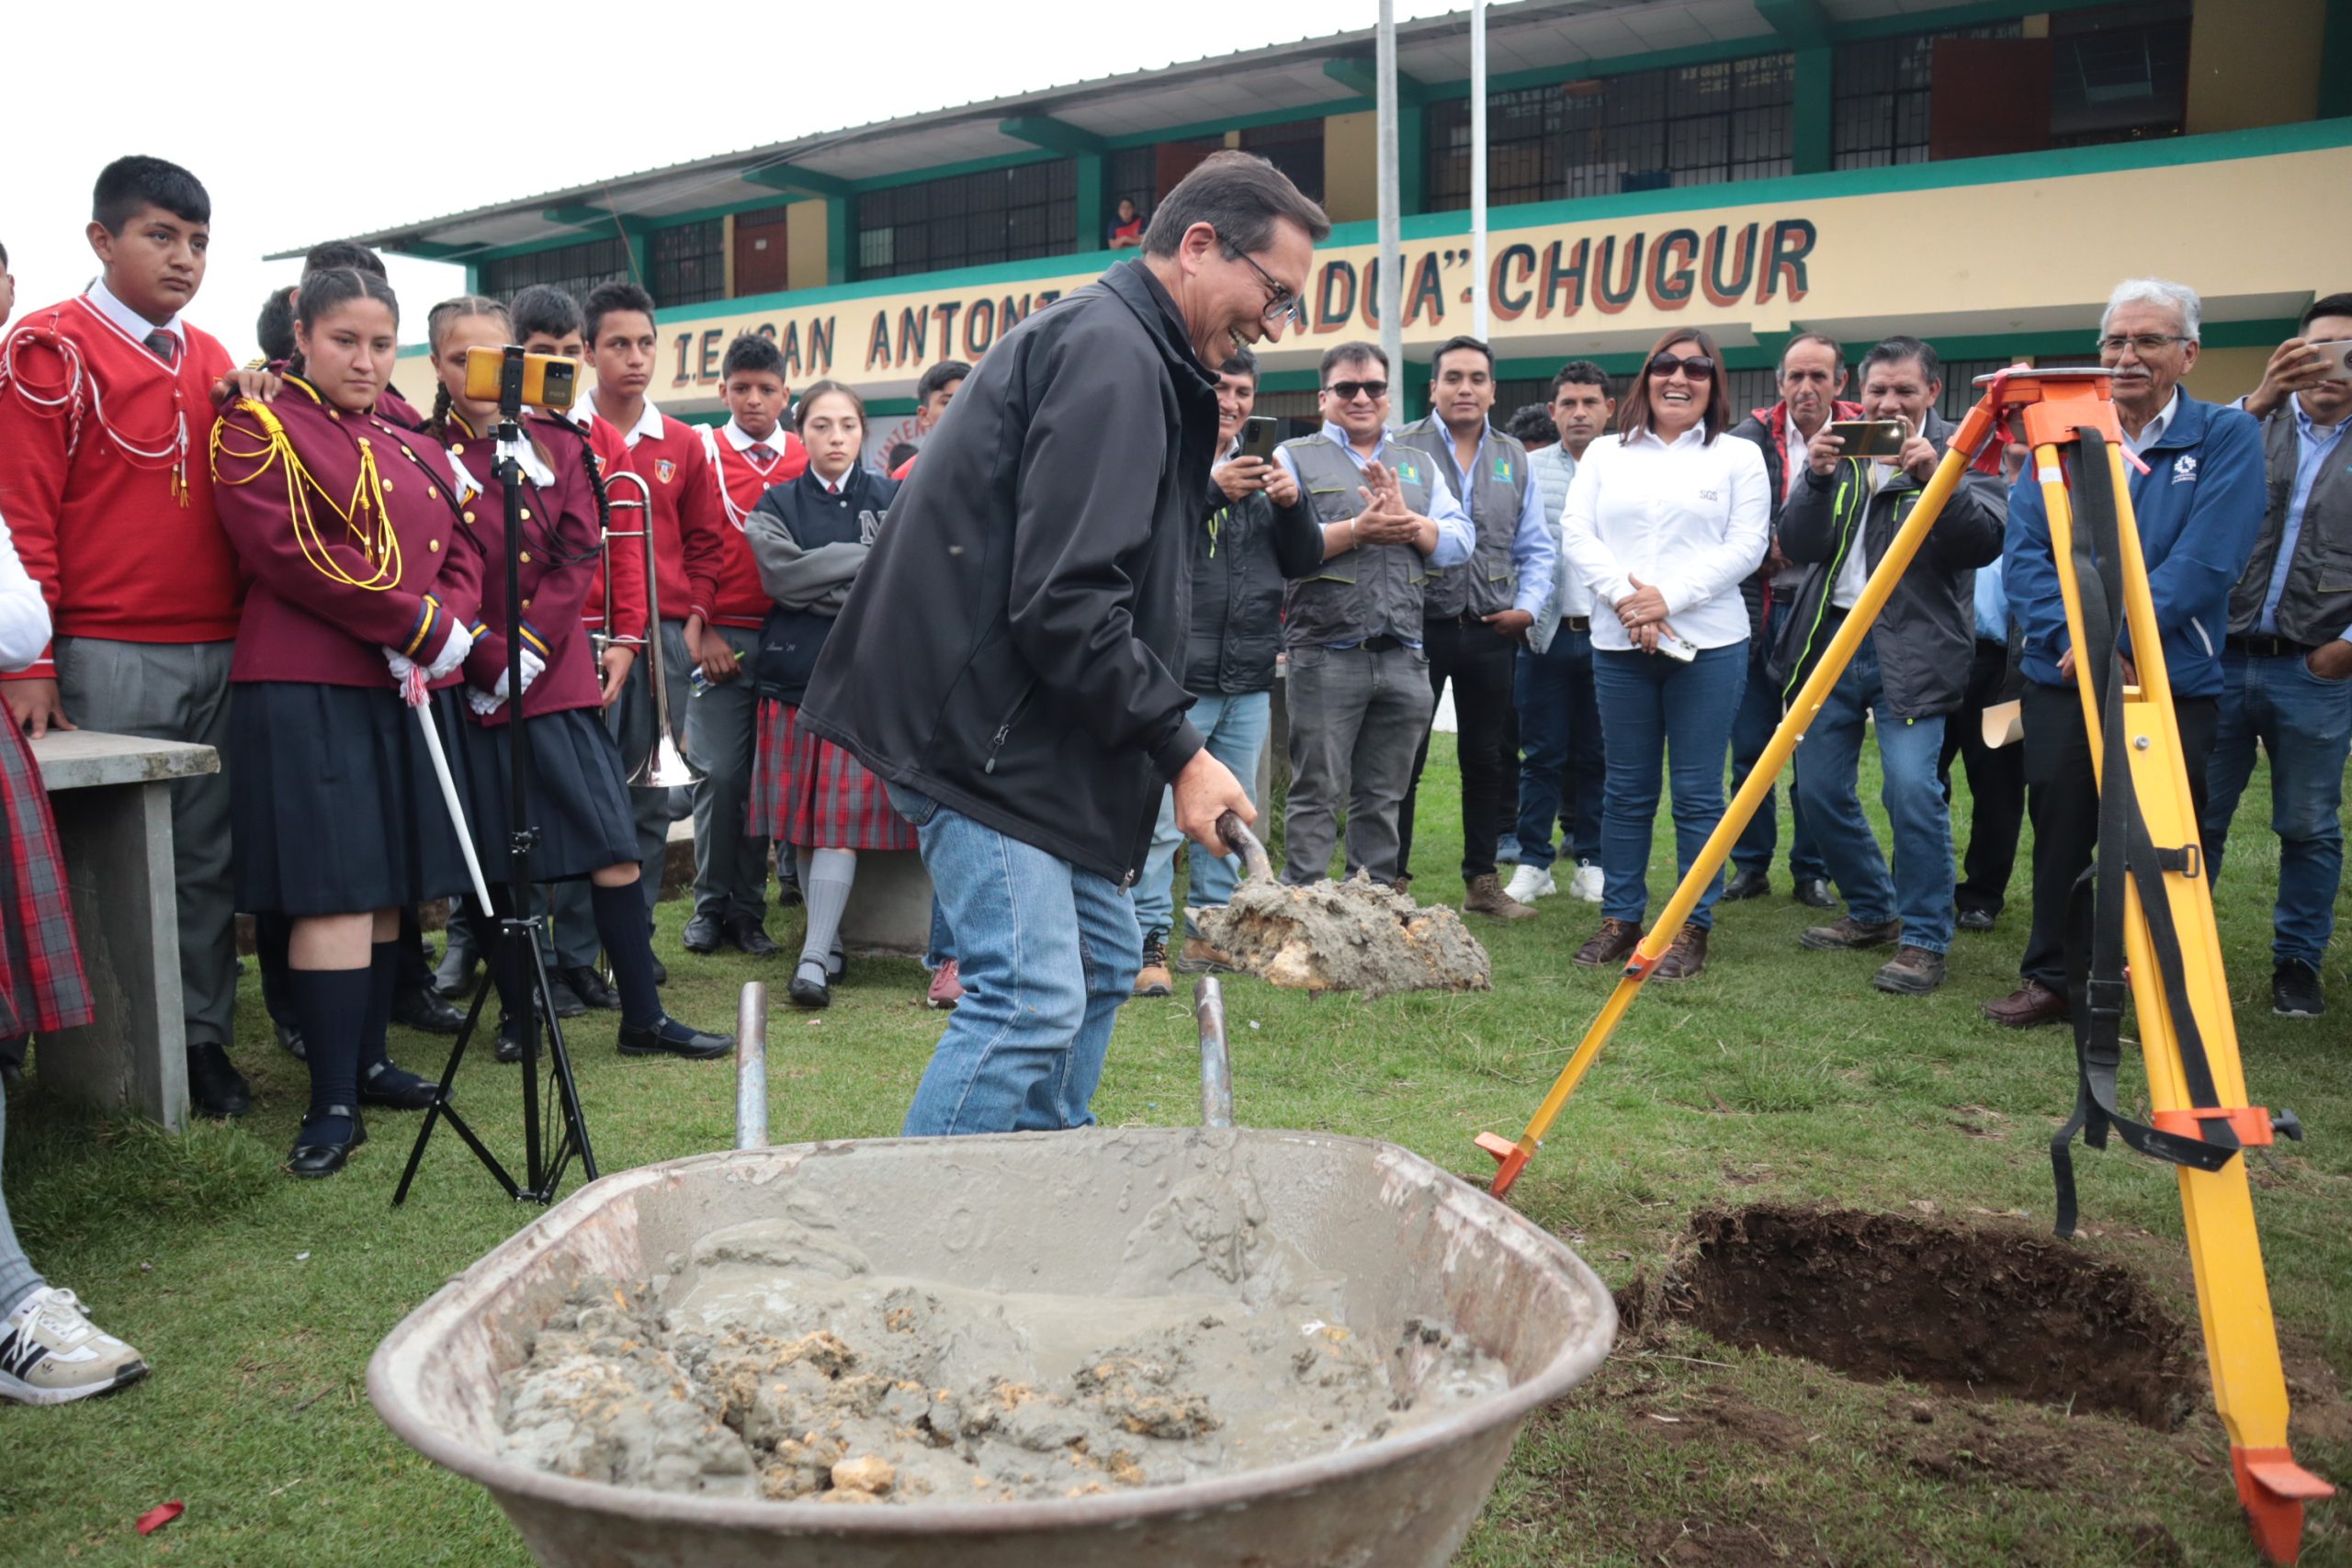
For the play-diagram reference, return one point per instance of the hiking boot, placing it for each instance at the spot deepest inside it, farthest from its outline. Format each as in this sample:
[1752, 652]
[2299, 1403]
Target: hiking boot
[1200, 957]
[1749, 884]
[2294, 990]
[945, 989]
[1153, 979]
[1485, 895]
[1611, 942]
[51, 1354]
[1530, 883]
[1849, 932]
[2029, 1006]
[1912, 971]
[1686, 958]
[1813, 893]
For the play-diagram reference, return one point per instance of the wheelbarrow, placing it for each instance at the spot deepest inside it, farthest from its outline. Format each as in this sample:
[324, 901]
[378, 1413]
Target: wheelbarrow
[1046, 1210]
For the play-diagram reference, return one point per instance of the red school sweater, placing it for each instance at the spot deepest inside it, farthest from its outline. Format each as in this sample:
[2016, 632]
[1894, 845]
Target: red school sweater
[733, 595]
[104, 484]
[687, 523]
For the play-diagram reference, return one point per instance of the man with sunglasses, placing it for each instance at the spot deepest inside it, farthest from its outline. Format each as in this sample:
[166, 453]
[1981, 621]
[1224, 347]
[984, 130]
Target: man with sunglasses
[2198, 496]
[1358, 694]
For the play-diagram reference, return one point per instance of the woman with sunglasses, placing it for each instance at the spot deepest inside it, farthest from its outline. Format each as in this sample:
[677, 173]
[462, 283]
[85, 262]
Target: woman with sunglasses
[1663, 522]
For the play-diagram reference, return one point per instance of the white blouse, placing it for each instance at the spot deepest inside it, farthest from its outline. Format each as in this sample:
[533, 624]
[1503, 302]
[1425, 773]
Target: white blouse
[24, 614]
[1692, 519]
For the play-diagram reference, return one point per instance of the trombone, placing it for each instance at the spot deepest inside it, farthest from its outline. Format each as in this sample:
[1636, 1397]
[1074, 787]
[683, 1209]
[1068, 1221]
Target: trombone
[650, 772]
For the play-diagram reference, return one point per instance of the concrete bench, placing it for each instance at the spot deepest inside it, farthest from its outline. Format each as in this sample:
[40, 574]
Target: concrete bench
[111, 795]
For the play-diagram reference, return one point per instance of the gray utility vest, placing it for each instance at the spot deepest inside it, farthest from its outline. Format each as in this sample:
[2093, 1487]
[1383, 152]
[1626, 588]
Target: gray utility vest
[2315, 603]
[1369, 591]
[1486, 584]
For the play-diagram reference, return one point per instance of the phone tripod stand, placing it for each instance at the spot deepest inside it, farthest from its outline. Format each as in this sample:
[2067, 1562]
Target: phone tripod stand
[543, 1166]
[2147, 934]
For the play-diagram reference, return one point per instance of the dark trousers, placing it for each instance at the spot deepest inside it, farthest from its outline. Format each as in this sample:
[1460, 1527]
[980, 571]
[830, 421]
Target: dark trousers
[1995, 784]
[1478, 661]
[2062, 798]
[1752, 728]
[1562, 769]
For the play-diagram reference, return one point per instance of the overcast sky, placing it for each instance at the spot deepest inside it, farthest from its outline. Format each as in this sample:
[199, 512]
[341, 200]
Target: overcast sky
[267, 115]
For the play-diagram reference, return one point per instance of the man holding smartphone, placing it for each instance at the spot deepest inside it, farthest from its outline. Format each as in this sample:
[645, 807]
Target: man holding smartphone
[1908, 674]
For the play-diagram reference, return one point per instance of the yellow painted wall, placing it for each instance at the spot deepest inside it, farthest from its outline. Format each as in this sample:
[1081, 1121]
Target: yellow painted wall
[2225, 373]
[1351, 167]
[2254, 62]
[805, 244]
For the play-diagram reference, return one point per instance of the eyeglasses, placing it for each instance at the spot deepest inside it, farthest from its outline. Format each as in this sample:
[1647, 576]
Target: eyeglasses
[1346, 391]
[1697, 367]
[2143, 344]
[1281, 305]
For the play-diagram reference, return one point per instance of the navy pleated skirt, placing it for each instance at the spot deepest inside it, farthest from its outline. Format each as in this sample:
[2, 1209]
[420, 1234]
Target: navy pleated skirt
[579, 795]
[336, 809]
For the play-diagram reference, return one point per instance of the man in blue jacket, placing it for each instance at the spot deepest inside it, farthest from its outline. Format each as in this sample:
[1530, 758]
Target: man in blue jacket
[2199, 505]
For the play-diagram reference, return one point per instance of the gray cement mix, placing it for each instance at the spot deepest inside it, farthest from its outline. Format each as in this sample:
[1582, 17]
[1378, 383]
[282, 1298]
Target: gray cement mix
[1355, 935]
[776, 1362]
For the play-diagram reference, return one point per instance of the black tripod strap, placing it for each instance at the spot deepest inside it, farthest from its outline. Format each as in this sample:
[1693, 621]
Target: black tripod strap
[2125, 849]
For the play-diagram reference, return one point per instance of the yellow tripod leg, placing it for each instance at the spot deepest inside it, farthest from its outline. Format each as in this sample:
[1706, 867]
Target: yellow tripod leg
[1966, 441]
[2225, 1251]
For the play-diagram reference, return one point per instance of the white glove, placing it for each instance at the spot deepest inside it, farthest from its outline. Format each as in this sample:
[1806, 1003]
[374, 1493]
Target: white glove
[459, 643]
[532, 665]
[402, 664]
[482, 703]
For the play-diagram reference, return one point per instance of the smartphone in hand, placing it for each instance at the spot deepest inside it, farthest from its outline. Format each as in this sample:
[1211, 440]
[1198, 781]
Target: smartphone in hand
[1870, 437]
[1259, 438]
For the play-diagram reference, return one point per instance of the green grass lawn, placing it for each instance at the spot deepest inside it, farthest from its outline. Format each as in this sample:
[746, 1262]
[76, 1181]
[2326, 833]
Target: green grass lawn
[1778, 1075]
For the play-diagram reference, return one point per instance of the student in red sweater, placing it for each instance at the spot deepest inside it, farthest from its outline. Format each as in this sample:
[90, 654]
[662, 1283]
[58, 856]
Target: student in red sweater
[750, 454]
[104, 400]
[687, 543]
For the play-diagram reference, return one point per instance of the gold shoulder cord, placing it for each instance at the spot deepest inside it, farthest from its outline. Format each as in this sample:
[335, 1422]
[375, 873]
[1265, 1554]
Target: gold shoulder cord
[365, 518]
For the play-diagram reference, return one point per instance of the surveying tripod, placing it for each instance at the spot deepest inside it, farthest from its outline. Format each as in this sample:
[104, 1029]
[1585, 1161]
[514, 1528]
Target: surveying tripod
[2150, 936]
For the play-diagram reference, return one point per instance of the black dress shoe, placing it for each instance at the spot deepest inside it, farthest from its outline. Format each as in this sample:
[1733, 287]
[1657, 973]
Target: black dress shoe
[590, 987]
[751, 937]
[1976, 919]
[671, 1038]
[1746, 885]
[1814, 892]
[561, 997]
[660, 972]
[836, 965]
[509, 1041]
[291, 1041]
[214, 1087]
[423, 1008]
[391, 1085]
[702, 934]
[808, 990]
[322, 1157]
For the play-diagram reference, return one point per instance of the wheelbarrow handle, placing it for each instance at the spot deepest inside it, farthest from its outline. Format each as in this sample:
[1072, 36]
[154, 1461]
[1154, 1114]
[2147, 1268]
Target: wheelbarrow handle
[1237, 833]
[752, 1067]
[1216, 1063]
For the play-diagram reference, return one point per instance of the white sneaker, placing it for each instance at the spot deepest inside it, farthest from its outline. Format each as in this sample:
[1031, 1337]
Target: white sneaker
[1586, 884]
[1530, 883]
[51, 1354]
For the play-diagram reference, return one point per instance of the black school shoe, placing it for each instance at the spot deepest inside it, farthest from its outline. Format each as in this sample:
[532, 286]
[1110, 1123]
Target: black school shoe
[424, 1007]
[590, 987]
[566, 1002]
[749, 936]
[291, 1041]
[215, 1088]
[808, 990]
[702, 936]
[2294, 990]
[668, 1037]
[389, 1085]
[1749, 884]
[322, 1159]
[1813, 893]
[509, 1041]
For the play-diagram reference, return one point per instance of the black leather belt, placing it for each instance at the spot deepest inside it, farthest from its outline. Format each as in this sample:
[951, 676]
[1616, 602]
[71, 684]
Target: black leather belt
[1576, 623]
[1384, 643]
[2270, 646]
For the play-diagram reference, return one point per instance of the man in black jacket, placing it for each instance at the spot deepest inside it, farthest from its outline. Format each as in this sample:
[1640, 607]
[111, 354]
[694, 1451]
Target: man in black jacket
[1007, 660]
[1251, 539]
[1908, 674]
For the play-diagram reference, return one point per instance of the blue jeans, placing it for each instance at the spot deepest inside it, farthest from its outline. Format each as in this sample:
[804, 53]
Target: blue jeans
[1561, 751]
[2305, 723]
[1920, 890]
[1045, 952]
[1664, 718]
[1235, 726]
[1751, 731]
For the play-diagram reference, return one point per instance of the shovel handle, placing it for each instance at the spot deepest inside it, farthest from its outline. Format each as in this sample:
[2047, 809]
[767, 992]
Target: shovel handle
[1236, 834]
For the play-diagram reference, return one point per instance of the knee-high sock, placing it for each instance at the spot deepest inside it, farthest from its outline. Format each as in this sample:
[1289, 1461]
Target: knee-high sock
[383, 975]
[826, 892]
[620, 926]
[331, 1005]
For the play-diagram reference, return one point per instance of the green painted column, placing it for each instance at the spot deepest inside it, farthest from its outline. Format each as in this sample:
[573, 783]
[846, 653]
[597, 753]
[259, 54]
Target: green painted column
[1412, 157]
[1089, 170]
[2335, 62]
[841, 238]
[1814, 111]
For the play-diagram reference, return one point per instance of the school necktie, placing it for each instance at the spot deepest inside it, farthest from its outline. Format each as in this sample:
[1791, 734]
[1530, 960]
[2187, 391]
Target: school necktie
[760, 452]
[163, 345]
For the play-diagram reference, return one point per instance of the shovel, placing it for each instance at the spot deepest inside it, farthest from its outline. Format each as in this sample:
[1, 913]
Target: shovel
[1236, 834]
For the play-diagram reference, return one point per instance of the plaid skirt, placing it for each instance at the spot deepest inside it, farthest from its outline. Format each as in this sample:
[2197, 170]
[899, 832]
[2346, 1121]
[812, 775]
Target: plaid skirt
[41, 983]
[809, 792]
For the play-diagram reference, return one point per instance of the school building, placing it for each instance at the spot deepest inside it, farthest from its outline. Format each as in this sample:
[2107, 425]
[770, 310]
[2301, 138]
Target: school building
[1978, 175]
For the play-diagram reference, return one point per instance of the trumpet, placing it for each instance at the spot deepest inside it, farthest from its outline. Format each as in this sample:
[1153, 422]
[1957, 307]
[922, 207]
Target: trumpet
[654, 771]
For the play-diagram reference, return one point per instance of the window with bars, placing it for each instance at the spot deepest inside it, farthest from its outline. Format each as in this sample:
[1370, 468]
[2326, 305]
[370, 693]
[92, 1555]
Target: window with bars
[996, 215]
[1295, 147]
[2121, 74]
[1691, 125]
[575, 269]
[1884, 88]
[687, 264]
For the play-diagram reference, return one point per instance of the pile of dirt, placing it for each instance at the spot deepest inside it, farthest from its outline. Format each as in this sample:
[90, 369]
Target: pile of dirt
[1983, 1311]
[1356, 935]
